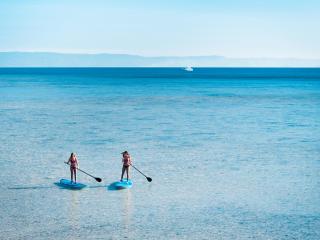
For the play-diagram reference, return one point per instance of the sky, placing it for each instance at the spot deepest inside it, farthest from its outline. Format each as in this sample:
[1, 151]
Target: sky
[231, 28]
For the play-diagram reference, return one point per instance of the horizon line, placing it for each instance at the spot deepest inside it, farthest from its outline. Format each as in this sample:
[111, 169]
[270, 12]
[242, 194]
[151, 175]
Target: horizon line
[154, 56]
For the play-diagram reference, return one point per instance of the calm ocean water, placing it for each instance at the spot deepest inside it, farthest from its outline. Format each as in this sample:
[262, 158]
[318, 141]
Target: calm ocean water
[233, 153]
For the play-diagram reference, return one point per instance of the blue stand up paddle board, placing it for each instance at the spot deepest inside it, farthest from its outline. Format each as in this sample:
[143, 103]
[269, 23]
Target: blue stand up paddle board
[71, 185]
[125, 183]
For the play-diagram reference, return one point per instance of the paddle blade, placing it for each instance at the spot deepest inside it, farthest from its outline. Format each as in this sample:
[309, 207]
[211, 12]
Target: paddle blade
[98, 179]
[149, 179]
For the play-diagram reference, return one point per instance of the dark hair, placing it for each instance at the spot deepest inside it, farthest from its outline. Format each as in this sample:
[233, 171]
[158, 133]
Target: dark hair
[125, 152]
[71, 154]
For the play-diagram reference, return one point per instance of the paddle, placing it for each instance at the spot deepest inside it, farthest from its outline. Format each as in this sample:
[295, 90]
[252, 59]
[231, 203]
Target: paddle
[148, 178]
[96, 178]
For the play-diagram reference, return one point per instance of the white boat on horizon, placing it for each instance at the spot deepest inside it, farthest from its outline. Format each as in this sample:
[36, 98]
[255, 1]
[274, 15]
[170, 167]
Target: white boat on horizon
[189, 69]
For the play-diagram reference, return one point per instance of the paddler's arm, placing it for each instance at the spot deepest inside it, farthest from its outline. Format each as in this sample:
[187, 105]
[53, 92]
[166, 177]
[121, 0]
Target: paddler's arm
[77, 162]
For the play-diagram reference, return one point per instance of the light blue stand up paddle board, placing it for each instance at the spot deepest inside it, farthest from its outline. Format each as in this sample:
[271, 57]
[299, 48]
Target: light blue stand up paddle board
[126, 183]
[71, 185]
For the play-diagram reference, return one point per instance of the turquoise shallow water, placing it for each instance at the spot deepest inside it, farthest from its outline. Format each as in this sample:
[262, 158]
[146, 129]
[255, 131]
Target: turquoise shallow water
[233, 153]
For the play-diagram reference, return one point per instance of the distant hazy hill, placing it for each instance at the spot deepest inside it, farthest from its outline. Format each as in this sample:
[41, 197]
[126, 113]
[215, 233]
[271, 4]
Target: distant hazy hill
[43, 59]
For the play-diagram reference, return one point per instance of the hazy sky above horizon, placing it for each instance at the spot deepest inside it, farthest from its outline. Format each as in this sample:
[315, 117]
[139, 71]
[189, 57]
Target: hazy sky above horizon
[248, 28]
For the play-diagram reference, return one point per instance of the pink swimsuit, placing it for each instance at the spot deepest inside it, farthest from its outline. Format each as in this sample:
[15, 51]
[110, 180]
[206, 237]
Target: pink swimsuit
[126, 162]
[73, 163]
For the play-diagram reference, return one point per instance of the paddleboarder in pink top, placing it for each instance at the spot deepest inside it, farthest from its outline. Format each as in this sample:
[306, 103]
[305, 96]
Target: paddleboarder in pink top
[126, 160]
[73, 162]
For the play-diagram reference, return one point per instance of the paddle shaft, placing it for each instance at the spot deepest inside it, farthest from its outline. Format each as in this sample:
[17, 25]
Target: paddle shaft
[82, 171]
[85, 172]
[138, 170]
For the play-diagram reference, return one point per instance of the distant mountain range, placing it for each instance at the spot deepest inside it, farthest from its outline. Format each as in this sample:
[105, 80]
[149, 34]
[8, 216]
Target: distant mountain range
[47, 59]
